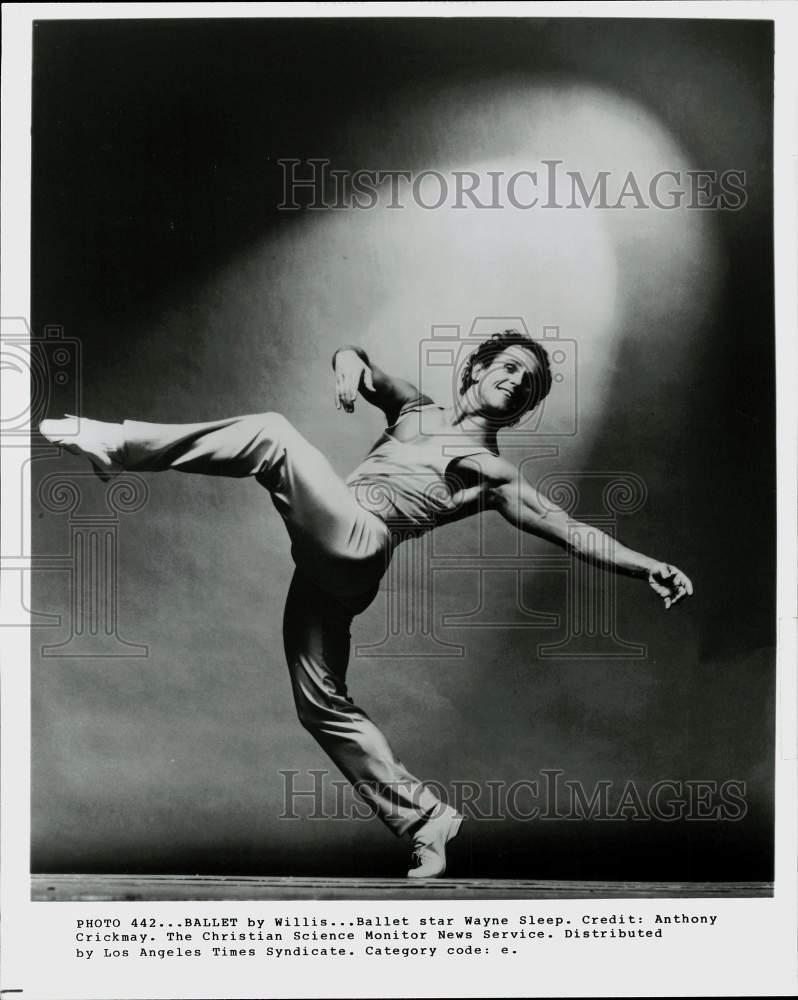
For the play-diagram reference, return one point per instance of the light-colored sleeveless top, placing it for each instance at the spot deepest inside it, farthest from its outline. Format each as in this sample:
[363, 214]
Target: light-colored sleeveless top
[409, 485]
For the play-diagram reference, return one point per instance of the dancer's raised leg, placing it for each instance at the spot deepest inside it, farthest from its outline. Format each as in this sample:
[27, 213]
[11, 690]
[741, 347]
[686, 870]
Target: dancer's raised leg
[334, 540]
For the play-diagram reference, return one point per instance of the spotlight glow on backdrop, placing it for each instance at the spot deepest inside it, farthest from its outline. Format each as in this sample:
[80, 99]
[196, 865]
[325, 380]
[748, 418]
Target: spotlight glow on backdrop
[384, 277]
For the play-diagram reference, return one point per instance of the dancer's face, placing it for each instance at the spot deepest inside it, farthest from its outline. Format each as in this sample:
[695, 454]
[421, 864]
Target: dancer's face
[504, 386]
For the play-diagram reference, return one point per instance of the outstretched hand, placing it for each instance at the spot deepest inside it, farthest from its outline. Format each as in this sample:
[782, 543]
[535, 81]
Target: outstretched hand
[670, 583]
[350, 370]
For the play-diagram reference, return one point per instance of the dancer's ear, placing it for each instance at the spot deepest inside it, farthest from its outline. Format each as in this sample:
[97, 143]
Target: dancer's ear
[478, 371]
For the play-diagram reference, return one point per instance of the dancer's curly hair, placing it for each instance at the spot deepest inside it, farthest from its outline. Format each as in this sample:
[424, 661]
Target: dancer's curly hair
[492, 346]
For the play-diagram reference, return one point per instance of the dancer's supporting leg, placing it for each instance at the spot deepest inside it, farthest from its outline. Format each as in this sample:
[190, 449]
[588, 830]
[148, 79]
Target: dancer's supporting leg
[317, 642]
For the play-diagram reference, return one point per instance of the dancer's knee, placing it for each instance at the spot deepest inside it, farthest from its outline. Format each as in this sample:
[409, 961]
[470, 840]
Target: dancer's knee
[308, 714]
[269, 436]
[269, 427]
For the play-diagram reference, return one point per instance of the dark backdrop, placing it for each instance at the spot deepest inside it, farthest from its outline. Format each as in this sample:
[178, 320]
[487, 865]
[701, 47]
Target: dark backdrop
[158, 246]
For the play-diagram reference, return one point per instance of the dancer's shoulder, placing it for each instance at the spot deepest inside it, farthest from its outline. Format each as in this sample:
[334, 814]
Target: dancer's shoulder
[418, 402]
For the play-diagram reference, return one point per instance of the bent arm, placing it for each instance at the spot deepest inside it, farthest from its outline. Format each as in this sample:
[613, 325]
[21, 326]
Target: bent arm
[356, 373]
[529, 510]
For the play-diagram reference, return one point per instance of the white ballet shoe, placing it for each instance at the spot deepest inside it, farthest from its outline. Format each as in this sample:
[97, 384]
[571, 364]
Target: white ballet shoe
[429, 843]
[94, 439]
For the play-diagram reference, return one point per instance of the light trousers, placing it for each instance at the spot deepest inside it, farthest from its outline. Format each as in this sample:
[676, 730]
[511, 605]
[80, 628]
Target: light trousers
[341, 552]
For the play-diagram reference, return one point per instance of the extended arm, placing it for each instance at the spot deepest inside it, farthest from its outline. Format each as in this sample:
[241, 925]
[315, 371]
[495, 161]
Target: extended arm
[523, 506]
[356, 372]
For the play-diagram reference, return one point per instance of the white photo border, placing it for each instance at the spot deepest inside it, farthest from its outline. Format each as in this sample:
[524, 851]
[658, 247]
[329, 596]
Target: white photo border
[753, 954]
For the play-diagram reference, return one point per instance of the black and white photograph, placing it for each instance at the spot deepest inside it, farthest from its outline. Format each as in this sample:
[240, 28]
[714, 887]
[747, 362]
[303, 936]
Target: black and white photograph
[396, 501]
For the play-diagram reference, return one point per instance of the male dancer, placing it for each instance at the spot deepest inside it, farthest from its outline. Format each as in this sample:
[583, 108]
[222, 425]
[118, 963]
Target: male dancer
[343, 533]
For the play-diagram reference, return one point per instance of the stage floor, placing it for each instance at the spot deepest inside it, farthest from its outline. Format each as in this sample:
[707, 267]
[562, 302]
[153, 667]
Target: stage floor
[96, 888]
